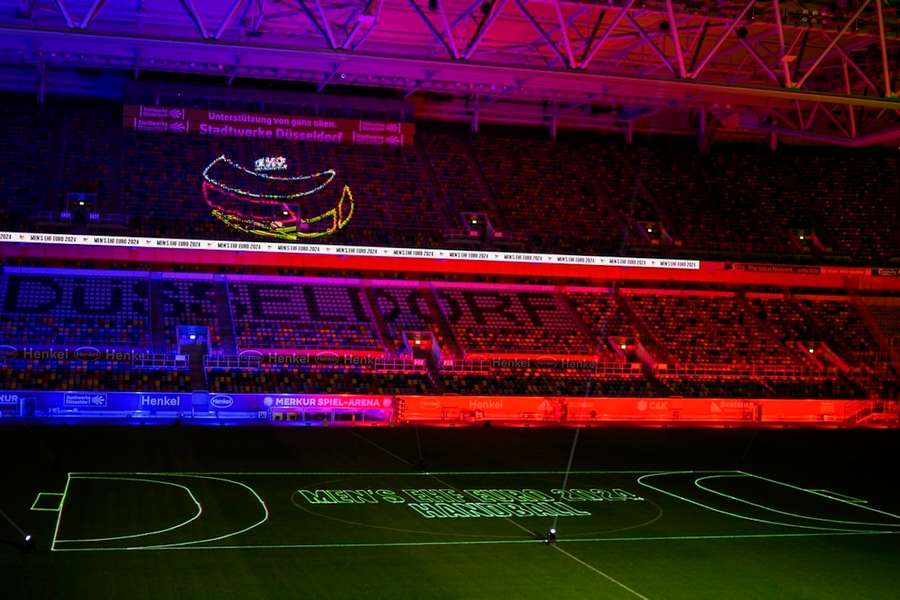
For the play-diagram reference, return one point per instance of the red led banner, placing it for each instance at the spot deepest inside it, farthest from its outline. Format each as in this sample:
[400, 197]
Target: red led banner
[266, 126]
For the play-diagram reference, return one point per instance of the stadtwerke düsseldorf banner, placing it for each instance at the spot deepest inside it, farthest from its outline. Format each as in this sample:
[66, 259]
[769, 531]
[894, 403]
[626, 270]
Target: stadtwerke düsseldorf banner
[266, 126]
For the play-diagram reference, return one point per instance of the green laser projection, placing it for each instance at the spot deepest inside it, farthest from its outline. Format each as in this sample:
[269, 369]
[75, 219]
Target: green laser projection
[450, 503]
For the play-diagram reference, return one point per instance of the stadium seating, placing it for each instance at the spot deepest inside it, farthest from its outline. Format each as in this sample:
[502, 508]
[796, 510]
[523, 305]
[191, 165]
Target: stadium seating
[318, 381]
[90, 375]
[191, 302]
[524, 339]
[488, 321]
[854, 342]
[570, 195]
[456, 173]
[544, 194]
[404, 309]
[715, 329]
[49, 309]
[270, 316]
[547, 382]
[598, 310]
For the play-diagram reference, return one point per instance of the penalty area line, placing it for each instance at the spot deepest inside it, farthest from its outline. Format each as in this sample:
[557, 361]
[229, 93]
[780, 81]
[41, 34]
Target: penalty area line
[59, 512]
[37, 500]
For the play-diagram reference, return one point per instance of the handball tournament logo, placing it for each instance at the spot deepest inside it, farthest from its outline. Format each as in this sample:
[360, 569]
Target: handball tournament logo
[269, 202]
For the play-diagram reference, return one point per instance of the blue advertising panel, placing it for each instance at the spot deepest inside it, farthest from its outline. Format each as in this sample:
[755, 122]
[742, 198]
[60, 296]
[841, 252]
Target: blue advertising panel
[95, 402]
[61, 404]
[11, 404]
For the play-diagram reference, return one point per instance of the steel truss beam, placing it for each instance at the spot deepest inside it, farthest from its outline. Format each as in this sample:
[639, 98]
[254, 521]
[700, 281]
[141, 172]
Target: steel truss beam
[601, 53]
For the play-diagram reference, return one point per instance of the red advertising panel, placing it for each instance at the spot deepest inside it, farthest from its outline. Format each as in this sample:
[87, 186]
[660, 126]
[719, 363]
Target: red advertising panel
[632, 410]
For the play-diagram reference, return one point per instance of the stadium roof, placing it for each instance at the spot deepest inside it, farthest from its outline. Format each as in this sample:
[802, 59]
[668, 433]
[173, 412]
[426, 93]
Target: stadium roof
[820, 72]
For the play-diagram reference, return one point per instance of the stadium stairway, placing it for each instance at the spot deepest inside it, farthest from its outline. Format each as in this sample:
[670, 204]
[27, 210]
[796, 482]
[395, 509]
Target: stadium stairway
[569, 308]
[487, 195]
[384, 335]
[434, 186]
[870, 322]
[224, 314]
[157, 327]
[653, 346]
[450, 345]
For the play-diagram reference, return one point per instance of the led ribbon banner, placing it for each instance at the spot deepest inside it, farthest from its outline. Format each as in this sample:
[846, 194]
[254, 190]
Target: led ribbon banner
[269, 212]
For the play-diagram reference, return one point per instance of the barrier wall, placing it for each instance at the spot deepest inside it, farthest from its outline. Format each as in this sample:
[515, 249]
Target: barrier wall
[635, 410]
[323, 409]
[42, 405]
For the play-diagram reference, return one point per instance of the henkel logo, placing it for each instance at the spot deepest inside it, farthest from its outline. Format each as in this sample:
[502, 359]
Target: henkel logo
[160, 401]
[87, 353]
[221, 401]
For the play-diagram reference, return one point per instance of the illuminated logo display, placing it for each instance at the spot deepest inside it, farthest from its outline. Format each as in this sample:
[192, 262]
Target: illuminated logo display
[276, 206]
[270, 163]
[450, 503]
[221, 401]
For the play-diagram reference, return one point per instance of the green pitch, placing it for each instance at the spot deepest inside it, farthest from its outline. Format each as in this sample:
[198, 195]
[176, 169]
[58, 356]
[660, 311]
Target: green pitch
[250, 511]
[400, 533]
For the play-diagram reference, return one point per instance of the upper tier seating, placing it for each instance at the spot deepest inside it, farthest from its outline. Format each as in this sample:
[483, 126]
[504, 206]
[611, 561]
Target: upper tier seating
[571, 195]
[394, 203]
[544, 193]
[455, 172]
[25, 159]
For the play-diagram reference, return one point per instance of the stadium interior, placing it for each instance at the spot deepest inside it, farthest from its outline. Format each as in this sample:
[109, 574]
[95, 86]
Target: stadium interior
[313, 249]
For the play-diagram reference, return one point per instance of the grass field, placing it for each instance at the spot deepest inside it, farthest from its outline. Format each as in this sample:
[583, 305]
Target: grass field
[299, 513]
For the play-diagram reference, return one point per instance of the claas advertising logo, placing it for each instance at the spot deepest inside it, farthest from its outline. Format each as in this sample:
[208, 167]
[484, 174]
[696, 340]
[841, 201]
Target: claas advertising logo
[267, 201]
